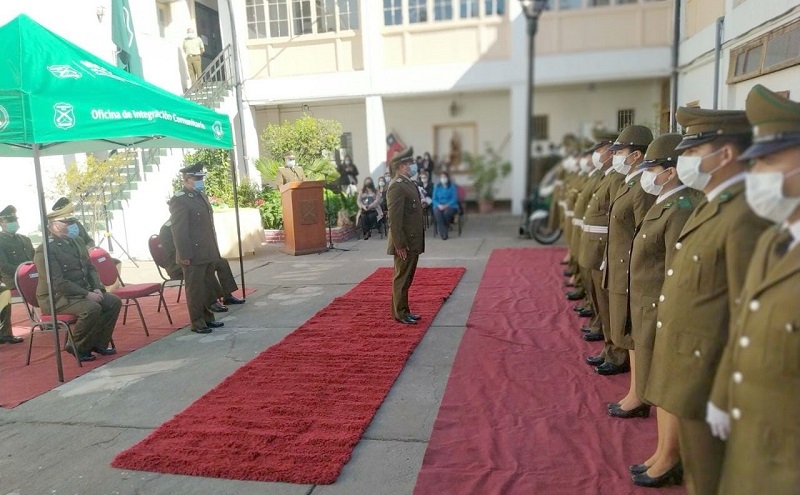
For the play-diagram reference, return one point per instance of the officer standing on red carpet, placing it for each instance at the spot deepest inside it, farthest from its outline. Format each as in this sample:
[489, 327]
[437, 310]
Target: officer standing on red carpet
[406, 232]
[756, 394]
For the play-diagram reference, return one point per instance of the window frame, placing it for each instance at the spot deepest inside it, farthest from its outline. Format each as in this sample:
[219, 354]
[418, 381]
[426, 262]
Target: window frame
[763, 42]
[258, 27]
[625, 111]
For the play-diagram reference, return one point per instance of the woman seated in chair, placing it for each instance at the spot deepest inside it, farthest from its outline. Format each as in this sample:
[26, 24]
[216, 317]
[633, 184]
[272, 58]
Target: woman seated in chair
[369, 208]
[445, 204]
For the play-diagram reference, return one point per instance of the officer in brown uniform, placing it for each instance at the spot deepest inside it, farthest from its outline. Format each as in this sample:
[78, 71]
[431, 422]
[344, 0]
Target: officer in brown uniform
[196, 247]
[703, 280]
[406, 233]
[627, 211]
[758, 379]
[65, 208]
[15, 249]
[77, 289]
[651, 253]
[291, 172]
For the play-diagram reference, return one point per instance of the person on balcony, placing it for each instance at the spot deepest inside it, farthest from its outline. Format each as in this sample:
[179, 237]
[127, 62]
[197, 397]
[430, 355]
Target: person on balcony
[193, 47]
[445, 204]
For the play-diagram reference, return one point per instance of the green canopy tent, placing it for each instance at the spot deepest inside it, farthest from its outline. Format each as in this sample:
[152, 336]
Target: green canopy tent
[56, 98]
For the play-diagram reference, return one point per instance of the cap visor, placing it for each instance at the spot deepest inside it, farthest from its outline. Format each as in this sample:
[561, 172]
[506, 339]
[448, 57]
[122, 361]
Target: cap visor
[758, 150]
[618, 146]
[691, 143]
[646, 165]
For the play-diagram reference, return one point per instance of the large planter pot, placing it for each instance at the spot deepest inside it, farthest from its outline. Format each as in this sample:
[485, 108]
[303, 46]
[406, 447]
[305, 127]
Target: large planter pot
[225, 225]
[485, 206]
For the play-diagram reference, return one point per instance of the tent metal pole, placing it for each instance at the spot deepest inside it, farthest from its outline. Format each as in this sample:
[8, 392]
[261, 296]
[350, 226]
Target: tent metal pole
[43, 217]
[238, 223]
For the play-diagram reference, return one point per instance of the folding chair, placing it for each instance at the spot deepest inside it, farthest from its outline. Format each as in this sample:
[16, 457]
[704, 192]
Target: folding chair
[160, 259]
[108, 275]
[26, 279]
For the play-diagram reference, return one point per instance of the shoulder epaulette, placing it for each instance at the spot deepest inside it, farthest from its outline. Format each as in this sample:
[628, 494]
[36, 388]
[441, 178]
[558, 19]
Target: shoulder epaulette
[168, 224]
[631, 182]
[179, 193]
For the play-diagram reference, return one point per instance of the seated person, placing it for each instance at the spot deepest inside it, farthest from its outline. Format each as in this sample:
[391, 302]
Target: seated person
[15, 249]
[369, 208]
[445, 204]
[77, 289]
[65, 208]
[291, 172]
[425, 192]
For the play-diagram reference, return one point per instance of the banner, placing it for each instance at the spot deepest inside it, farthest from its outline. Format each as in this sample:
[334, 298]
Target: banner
[124, 37]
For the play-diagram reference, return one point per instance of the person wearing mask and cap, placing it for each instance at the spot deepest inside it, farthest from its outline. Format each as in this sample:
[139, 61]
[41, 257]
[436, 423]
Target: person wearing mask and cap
[192, 224]
[291, 172]
[193, 47]
[77, 289]
[65, 208]
[15, 249]
[755, 400]
[652, 250]
[703, 281]
[406, 233]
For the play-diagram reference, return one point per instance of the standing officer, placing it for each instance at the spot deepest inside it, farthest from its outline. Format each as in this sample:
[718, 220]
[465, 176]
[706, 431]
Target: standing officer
[193, 47]
[705, 277]
[406, 233]
[290, 172]
[627, 213]
[196, 247]
[15, 249]
[77, 289]
[758, 380]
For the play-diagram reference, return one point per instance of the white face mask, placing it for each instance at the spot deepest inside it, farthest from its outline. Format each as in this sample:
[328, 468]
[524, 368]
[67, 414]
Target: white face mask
[596, 160]
[764, 194]
[291, 163]
[689, 171]
[444, 181]
[619, 165]
[583, 163]
[648, 182]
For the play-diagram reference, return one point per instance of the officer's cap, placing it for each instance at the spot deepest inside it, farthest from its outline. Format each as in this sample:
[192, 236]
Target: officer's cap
[633, 135]
[602, 137]
[63, 207]
[775, 121]
[703, 126]
[406, 155]
[195, 170]
[662, 151]
[8, 213]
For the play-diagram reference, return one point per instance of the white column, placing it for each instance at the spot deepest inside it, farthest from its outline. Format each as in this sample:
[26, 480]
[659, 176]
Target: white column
[376, 134]
[519, 146]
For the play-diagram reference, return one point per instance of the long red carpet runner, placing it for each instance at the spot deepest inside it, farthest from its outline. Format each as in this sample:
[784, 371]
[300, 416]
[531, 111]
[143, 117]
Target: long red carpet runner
[296, 411]
[522, 413]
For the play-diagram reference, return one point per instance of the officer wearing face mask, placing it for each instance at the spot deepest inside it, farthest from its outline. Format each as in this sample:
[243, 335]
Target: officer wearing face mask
[65, 208]
[703, 281]
[77, 289]
[755, 403]
[15, 249]
[291, 172]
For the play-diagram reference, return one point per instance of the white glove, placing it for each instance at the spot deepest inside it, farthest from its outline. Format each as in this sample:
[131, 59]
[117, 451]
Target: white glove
[718, 420]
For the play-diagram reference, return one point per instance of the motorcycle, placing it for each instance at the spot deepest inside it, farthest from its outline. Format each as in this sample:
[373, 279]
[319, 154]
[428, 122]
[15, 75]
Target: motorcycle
[537, 216]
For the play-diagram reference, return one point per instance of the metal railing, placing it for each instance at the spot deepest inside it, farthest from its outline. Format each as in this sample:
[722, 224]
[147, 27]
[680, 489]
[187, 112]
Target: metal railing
[215, 82]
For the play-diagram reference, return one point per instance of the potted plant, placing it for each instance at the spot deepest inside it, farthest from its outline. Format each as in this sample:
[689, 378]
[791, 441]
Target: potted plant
[486, 169]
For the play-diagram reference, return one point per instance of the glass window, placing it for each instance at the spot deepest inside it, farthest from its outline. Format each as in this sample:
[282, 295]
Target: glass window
[417, 11]
[783, 47]
[468, 8]
[625, 118]
[392, 12]
[256, 20]
[602, 3]
[348, 14]
[302, 23]
[540, 127]
[278, 15]
[442, 10]
[625, 2]
[326, 16]
[495, 7]
[752, 59]
[570, 4]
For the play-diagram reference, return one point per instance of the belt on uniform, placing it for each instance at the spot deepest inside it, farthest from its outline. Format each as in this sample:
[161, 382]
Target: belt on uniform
[192, 56]
[569, 213]
[578, 222]
[595, 229]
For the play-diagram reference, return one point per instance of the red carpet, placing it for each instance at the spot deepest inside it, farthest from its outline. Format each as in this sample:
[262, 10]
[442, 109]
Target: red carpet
[21, 383]
[296, 411]
[522, 412]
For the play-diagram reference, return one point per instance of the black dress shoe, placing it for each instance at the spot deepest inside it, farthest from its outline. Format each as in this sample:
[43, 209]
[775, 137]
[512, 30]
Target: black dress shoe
[202, 330]
[108, 351]
[233, 300]
[10, 339]
[592, 337]
[562, 262]
[218, 308]
[638, 468]
[578, 308]
[642, 411]
[568, 273]
[595, 360]
[83, 357]
[586, 313]
[576, 295]
[569, 284]
[215, 324]
[414, 317]
[672, 477]
[586, 329]
[407, 320]
[609, 369]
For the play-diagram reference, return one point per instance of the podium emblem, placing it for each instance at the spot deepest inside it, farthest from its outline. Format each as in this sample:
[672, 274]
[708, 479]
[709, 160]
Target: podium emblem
[308, 211]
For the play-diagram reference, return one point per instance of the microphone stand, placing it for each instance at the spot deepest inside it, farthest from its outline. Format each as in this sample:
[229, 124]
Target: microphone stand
[331, 247]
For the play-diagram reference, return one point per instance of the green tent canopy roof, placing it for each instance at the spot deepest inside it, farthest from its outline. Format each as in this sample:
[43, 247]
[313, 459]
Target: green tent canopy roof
[66, 100]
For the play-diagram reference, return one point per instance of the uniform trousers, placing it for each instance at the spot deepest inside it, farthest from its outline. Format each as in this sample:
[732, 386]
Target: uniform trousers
[702, 455]
[611, 353]
[5, 314]
[620, 320]
[224, 282]
[95, 323]
[194, 63]
[199, 280]
[403, 276]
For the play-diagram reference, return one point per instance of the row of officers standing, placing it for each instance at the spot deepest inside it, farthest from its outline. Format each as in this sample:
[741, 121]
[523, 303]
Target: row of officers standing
[685, 249]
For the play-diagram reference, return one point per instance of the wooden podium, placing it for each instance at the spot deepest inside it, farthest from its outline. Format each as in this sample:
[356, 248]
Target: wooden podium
[303, 217]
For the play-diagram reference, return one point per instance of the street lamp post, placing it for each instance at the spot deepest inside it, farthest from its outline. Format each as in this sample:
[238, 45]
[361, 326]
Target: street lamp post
[532, 9]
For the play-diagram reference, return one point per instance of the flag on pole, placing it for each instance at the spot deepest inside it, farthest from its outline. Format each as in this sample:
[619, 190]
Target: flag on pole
[124, 37]
[393, 146]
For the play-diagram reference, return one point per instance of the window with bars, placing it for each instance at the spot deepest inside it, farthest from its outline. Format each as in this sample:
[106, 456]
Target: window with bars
[776, 50]
[283, 18]
[540, 127]
[625, 118]
[417, 11]
[392, 12]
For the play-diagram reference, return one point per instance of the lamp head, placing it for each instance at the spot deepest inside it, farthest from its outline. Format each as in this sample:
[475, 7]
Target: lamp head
[533, 8]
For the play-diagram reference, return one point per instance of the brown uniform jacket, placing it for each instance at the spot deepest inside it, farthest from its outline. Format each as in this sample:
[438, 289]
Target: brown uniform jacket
[173, 267]
[290, 174]
[708, 271]
[406, 224]
[15, 249]
[758, 379]
[193, 232]
[593, 244]
[588, 186]
[72, 271]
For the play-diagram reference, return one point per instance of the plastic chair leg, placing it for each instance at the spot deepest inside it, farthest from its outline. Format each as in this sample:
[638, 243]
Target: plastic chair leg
[166, 309]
